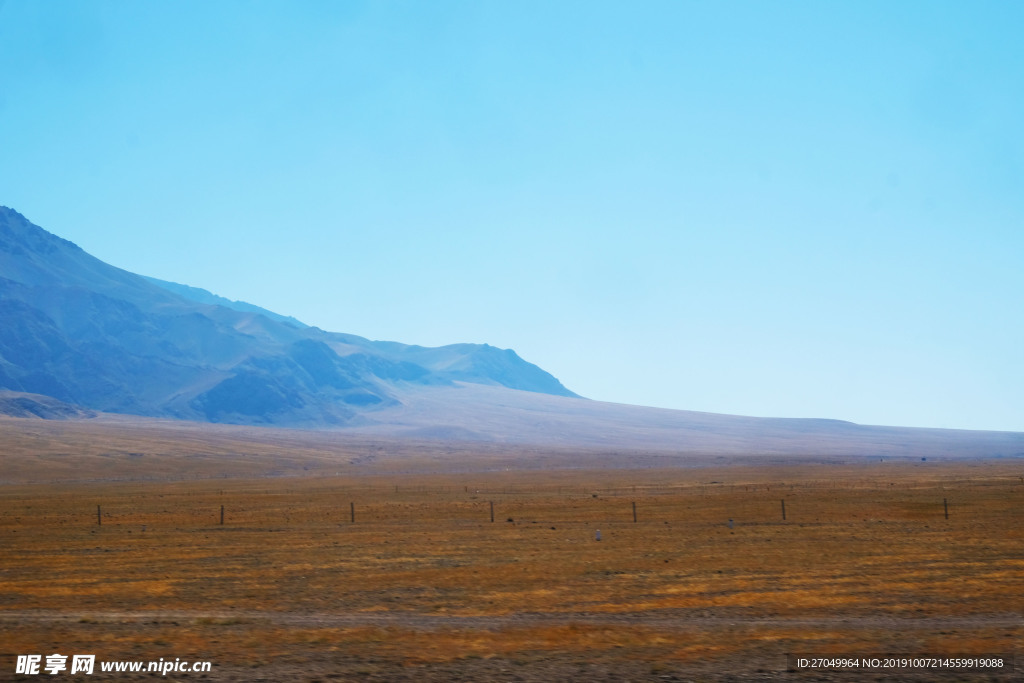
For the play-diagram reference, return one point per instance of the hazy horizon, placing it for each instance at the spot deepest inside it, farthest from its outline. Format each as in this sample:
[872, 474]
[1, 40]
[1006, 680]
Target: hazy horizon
[792, 210]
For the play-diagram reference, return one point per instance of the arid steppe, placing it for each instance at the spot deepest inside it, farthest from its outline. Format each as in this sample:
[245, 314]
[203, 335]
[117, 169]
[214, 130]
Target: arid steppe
[361, 561]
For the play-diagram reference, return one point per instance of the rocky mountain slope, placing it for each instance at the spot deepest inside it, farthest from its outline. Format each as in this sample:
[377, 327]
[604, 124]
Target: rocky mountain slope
[79, 336]
[89, 334]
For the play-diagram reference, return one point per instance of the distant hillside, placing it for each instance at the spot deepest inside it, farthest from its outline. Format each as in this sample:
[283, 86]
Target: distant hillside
[475, 412]
[18, 404]
[204, 297]
[79, 335]
[87, 333]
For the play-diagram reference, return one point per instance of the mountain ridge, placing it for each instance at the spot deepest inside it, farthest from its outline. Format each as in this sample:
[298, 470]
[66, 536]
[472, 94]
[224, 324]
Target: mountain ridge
[82, 338]
[92, 334]
[203, 296]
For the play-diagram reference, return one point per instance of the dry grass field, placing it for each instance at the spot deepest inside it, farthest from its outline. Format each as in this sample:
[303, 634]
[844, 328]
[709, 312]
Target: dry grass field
[422, 585]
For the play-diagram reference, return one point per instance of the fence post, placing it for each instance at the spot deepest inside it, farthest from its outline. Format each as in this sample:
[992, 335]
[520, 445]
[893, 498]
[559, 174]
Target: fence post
[222, 514]
[634, 512]
[783, 510]
[492, 510]
[99, 519]
[945, 506]
[352, 512]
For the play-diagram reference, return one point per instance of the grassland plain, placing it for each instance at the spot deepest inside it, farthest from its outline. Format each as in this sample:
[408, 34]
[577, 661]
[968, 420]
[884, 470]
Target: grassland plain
[422, 585]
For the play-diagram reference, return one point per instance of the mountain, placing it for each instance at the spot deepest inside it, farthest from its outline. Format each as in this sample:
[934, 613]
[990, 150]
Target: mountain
[205, 297]
[80, 336]
[86, 333]
[18, 404]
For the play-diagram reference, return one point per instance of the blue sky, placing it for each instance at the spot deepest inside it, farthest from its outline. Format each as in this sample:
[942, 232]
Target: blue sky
[799, 209]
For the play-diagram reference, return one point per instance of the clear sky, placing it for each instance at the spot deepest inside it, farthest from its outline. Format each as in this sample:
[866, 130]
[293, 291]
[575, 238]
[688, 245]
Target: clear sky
[798, 209]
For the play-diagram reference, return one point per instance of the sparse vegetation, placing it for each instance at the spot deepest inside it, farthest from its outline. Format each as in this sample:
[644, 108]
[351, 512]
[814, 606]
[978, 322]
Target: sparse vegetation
[865, 562]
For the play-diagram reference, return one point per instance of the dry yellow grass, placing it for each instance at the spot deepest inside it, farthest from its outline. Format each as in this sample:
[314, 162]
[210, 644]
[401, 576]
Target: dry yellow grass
[864, 562]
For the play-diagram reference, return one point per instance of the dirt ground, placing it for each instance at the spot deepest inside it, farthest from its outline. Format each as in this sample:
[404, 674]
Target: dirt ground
[406, 578]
